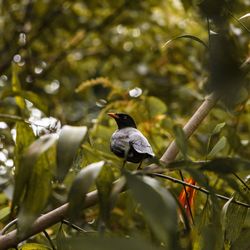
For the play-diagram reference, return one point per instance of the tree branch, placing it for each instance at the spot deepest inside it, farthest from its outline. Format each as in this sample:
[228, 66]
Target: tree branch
[203, 190]
[57, 215]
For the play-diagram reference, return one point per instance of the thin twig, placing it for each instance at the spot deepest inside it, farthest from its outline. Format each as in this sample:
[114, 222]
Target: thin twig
[241, 181]
[74, 226]
[203, 190]
[49, 239]
[239, 21]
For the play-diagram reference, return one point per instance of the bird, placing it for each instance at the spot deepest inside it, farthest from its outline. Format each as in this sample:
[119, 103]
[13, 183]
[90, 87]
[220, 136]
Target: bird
[128, 142]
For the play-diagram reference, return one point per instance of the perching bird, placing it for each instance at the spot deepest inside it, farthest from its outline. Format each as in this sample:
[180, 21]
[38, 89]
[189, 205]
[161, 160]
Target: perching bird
[128, 142]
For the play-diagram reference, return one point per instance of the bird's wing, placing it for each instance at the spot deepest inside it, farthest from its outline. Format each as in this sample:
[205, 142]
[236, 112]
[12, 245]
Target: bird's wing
[139, 142]
[119, 141]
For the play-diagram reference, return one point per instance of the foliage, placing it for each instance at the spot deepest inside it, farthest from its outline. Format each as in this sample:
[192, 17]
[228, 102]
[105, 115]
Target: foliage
[65, 64]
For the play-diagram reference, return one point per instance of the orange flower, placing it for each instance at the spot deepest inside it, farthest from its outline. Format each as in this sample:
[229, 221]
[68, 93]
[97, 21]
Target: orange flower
[186, 197]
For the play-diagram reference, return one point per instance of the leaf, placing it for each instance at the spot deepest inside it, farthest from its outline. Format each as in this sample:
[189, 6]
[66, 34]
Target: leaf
[218, 147]
[226, 165]
[39, 161]
[16, 86]
[36, 100]
[158, 205]
[28, 95]
[33, 246]
[24, 137]
[188, 37]
[233, 216]
[108, 243]
[4, 212]
[243, 242]
[83, 181]
[224, 213]
[180, 139]
[104, 184]
[218, 128]
[155, 106]
[69, 140]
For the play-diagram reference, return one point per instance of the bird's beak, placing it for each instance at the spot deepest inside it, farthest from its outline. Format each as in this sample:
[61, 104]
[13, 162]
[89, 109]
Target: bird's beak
[113, 115]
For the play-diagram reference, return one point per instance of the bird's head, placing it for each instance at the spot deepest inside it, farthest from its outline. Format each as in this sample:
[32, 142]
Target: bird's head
[123, 120]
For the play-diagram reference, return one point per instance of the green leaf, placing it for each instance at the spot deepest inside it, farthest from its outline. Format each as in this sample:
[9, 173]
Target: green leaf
[217, 147]
[34, 246]
[16, 86]
[83, 181]
[243, 242]
[69, 140]
[104, 184]
[158, 205]
[108, 243]
[4, 212]
[226, 165]
[233, 216]
[28, 95]
[24, 137]
[194, 38]
[155, 106]
[180, 139]
[39, 161]
[218, 128]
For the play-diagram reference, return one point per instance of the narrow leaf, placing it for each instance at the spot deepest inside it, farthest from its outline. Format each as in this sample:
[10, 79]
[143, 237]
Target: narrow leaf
[218, 128]
[16, 86]
[68, 143]
[218, 147]
[226, 165]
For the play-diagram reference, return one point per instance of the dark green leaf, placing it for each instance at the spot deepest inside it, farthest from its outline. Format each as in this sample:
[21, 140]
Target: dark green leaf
[218, 147]
[40, 160]
[109, 243]
[4, 212]
[158, 205]
[233, 216]
[104, 184]
[68, 143]
[243, 242]
[24, 137]
[83, 181]
[226, 165]
[16, 86]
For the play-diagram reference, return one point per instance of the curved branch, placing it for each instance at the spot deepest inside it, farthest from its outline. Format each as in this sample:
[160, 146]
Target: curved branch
[58, 214]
